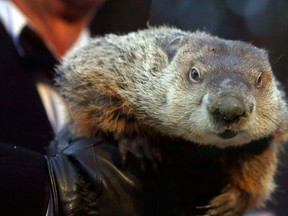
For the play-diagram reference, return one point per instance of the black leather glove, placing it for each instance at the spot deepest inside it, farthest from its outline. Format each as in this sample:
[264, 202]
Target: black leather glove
[87, 179]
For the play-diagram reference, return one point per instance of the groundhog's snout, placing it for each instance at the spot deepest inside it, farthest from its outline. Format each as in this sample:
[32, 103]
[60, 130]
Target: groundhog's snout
[229, 109]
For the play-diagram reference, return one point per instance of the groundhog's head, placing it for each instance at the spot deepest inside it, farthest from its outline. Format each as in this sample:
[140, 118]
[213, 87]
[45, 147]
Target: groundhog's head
[219, 92]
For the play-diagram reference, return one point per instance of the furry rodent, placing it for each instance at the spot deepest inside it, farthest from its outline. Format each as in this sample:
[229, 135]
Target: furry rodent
[188, 85]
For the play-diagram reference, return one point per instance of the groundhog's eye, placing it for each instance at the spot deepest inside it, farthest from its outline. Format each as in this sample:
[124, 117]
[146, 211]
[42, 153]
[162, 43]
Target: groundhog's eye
[259, 80]
[194, 75]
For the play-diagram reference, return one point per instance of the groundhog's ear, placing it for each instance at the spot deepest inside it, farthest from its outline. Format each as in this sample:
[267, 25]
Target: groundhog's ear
[173, 46]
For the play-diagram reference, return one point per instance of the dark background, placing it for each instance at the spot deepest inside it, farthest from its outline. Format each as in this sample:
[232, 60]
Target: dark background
[264, 23]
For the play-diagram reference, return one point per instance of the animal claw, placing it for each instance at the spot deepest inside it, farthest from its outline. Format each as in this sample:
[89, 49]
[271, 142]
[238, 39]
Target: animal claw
[204, 207]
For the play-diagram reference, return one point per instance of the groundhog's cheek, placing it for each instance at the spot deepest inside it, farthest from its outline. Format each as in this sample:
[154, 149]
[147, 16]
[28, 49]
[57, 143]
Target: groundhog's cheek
[266, 112]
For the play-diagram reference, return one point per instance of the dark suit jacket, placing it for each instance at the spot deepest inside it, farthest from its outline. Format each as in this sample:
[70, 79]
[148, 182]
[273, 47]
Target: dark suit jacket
[23, 120]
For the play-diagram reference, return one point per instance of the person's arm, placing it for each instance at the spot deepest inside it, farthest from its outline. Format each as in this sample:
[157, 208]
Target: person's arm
[86, 178]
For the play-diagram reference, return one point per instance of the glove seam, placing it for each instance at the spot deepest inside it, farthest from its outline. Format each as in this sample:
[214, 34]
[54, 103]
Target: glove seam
[53, 186]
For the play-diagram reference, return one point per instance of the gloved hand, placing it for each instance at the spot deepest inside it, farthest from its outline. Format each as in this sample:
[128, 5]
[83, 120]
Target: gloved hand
[87, 179]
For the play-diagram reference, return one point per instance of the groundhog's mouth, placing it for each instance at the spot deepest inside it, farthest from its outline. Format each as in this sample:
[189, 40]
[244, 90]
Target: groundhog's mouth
[227, 134]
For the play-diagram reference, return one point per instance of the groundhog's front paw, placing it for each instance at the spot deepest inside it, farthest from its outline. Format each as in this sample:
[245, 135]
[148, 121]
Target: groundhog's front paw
[141, 148]
[232, 202]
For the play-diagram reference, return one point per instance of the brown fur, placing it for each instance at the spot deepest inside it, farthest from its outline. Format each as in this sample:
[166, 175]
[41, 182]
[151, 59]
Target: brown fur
[138, 85]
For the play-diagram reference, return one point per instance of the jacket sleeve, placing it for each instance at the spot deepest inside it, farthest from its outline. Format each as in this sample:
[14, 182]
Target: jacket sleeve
[24, 182]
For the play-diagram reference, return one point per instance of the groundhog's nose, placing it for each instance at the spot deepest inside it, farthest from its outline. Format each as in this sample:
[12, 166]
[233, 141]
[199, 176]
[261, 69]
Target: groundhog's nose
[229, 109]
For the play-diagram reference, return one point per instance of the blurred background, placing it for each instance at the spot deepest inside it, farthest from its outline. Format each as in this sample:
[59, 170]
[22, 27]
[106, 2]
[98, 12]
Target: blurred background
[264, 23]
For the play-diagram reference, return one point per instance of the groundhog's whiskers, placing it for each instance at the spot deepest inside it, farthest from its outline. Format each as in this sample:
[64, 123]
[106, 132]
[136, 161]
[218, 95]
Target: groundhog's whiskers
[276, 60]
[278, 126]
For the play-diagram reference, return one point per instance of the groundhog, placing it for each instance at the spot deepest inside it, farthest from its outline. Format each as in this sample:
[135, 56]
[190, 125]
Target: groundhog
[163, 81]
